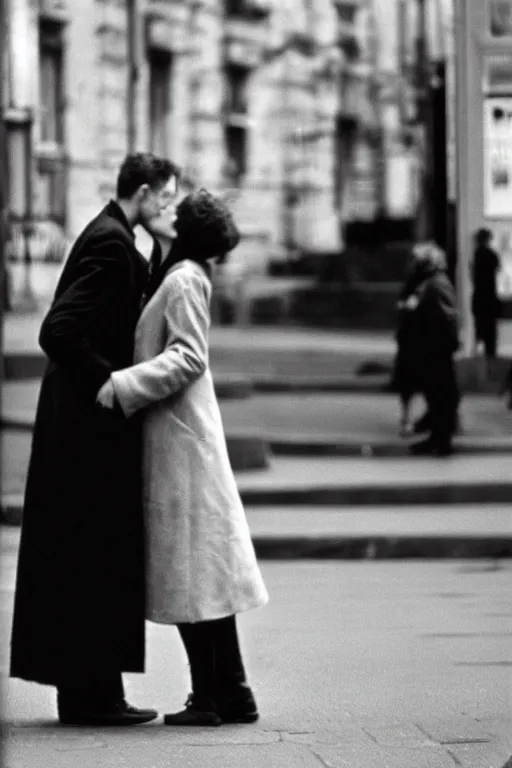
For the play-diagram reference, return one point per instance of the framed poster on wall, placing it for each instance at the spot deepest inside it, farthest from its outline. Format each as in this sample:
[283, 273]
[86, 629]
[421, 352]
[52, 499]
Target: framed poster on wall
[497, 165]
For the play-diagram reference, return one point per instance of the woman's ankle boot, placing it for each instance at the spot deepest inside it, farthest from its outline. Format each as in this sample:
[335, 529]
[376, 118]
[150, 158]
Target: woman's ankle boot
[199, 707]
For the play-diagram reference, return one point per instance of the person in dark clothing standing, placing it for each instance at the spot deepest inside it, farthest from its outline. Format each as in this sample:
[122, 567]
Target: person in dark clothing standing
[79, 607]
[434, 327]
[485, 302]
[405, 378]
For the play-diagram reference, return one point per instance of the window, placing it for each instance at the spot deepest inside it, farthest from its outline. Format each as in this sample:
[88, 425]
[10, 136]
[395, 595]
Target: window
[254, 10]
[50, 198]
[235, 8]
[345, 135]
[236, 148]
[50, 178]
[51, 55]
[160, 63]
[236, 89]
[236, 124]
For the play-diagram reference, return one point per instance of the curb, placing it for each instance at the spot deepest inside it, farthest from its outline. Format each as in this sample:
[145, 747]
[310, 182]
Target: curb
[245, 451]
[380, 495]
[11, 510]
[22, 367]
[27, 365]
[369, 376]
[348, 547]
[369, 446]
[363, 496]
[382, 547]
[258, 448]
[363, 384]
[237, 385]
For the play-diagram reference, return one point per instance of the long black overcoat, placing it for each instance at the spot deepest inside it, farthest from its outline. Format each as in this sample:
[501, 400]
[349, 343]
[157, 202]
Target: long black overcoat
[79, 603]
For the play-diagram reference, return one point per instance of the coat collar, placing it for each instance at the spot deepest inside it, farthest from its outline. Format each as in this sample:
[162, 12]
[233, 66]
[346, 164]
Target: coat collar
[115, 211]
[199, 267]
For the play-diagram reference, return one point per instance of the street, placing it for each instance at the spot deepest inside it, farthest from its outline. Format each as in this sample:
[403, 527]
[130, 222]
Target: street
[357, 664]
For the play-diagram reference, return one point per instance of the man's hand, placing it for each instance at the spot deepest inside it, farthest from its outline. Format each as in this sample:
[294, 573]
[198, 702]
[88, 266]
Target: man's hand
[107, 395]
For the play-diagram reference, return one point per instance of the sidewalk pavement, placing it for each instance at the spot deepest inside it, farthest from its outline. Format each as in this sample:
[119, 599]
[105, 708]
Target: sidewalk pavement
[282, 358]
[354, 665]
[21, 333]
[256, 351]
[334, 485]
[353, 508]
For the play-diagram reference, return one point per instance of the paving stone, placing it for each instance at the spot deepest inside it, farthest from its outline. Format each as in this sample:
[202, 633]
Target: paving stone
[172, 747]
[406, 735]
[334, 736]
[361, 756]
[459, 730]
[480, 755]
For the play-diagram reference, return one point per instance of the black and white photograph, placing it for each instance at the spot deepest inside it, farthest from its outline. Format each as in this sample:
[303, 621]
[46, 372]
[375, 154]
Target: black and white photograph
[255, 384]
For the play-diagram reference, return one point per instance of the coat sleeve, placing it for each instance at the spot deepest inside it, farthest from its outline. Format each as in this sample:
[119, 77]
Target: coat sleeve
[439, 309]
[184, 358]
[65, 332]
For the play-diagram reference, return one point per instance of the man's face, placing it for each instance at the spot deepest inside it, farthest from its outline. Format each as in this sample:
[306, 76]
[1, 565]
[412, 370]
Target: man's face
[162, 226]
[155, 200]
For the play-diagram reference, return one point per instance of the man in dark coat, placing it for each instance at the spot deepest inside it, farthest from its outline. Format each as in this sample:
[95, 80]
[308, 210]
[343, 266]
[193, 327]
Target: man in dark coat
[79, 606]
[434, 323]
[485, 302]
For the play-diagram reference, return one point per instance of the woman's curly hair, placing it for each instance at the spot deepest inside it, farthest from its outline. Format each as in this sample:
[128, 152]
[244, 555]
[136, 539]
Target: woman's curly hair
[204, 226]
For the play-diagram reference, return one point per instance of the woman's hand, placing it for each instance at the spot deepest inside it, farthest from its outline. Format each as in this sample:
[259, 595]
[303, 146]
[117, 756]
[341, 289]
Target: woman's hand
[412, 302]
[107, 395]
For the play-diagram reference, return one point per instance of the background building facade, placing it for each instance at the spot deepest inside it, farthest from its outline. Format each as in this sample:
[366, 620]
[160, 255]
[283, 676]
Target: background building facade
[293, 108]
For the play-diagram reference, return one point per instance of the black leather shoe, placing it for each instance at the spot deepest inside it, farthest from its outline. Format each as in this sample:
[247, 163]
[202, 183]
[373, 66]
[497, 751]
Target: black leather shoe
[423, 424]
[443, 449]
[238, 707]
[423, 448]
[194, 714]
[117, 714]
[431, 447]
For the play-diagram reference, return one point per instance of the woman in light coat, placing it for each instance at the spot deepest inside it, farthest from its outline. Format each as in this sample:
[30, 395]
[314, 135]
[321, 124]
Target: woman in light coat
[201, 565]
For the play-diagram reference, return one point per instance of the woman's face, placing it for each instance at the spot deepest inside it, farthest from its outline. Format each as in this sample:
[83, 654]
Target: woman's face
[162, 226]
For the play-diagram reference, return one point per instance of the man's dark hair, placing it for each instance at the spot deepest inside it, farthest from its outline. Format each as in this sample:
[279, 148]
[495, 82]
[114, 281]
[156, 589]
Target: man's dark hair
[143, 168]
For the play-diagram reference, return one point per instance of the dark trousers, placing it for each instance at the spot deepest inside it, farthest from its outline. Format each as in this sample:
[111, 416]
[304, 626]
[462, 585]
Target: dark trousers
[216, 665]
[486, 330]
[442, 395]
[95, 692]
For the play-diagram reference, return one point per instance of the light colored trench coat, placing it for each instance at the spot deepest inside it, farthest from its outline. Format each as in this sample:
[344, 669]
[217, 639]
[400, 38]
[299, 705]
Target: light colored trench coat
[200, 561]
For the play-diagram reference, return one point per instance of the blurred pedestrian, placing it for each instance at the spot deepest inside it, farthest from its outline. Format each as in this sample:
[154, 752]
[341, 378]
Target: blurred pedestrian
[405, 377]
[434, 332]
[79, 606]
[201, 566]
[485, 303]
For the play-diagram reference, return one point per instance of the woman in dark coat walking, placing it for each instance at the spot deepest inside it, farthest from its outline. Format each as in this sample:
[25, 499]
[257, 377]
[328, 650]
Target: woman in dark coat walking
[79, 603]
[434, 330]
